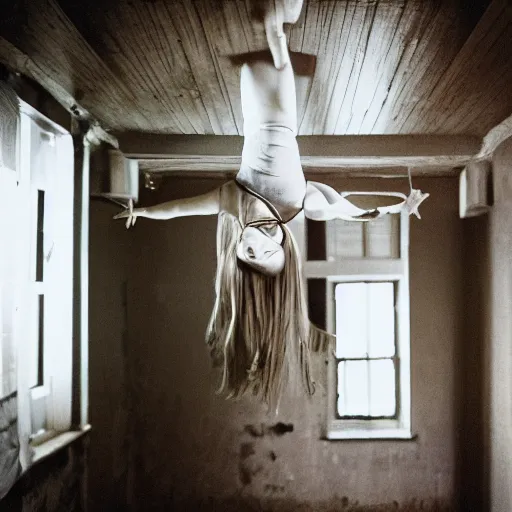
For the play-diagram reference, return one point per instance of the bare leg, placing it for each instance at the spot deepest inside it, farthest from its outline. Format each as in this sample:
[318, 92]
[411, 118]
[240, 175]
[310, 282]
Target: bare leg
[270, 158]
[278, 12]
[268, 96]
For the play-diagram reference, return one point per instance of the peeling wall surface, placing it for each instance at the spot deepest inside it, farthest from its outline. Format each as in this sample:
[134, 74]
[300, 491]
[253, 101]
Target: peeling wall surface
[500, 332]
[55, 484]
[193, 450]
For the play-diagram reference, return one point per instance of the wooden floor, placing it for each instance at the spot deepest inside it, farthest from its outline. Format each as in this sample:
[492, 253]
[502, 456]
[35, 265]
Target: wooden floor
[382, 67]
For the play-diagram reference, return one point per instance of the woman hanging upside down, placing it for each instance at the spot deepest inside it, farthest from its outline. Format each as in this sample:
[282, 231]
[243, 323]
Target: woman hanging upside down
[259, 328]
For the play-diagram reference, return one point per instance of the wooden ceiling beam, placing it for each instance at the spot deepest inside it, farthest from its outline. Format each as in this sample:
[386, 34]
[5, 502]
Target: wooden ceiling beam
[222, 153]
[18, 62]
[495, 137]
[46, 46]
[159, 167]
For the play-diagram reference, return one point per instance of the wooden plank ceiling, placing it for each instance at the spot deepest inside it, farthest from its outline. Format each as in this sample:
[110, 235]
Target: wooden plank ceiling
[382, 67]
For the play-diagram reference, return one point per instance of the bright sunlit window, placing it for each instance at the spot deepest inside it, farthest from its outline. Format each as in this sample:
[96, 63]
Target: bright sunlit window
[44, 241]
[365, 350]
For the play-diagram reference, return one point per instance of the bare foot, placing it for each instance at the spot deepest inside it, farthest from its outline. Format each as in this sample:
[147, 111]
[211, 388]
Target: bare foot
[278, 12]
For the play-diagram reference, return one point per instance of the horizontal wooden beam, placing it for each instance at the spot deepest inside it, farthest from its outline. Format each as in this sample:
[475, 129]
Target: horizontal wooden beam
[311, 173]
[164, 153]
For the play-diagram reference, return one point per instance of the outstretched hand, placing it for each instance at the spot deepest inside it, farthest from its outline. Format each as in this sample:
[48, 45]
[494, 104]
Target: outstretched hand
[413, 201]
[129, 214]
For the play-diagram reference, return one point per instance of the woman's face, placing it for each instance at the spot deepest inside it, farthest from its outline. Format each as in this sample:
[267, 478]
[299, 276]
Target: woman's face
[260, 248]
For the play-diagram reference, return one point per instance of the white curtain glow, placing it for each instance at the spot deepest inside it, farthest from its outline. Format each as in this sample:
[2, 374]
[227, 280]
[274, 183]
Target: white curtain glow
[9, 443]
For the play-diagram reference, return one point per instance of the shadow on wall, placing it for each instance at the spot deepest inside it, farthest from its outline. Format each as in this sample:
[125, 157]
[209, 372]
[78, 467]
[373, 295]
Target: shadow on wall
[110, 411]
[472, 396]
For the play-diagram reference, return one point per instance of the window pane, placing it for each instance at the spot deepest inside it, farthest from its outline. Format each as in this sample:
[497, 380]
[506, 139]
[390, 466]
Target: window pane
[382, 237]
[316, 301]
[315, 240]
[379, 238]
[382, 388]
[39, 417]
[43, 155]
[344, 239]
[40, 236]
[35, 341]
[351, 320]
[40, 359]
[353, 392]
[381, 319]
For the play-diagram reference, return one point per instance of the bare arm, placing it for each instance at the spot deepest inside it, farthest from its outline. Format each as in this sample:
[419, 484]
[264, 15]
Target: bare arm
[204, 204]
[322, 202]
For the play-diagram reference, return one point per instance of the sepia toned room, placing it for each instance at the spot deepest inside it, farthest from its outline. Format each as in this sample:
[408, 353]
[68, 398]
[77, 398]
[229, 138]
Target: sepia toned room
[256, 255]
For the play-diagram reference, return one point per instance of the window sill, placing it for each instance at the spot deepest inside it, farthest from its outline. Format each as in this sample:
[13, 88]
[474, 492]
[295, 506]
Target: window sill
[383, 434]
[56, 443]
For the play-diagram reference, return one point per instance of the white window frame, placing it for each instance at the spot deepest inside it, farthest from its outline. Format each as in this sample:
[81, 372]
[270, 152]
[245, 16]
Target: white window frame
[55, 393]
[369, 270]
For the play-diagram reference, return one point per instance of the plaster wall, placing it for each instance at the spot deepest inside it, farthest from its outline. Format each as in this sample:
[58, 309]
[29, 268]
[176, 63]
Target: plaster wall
[195, 450]
[500, 332]
[110, 409]
[473, 424]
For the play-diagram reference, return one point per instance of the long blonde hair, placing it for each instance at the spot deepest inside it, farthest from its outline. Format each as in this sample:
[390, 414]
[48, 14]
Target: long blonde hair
[259, 330]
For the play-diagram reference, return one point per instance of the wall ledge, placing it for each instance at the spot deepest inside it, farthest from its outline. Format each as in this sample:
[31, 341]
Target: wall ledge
[56, 443]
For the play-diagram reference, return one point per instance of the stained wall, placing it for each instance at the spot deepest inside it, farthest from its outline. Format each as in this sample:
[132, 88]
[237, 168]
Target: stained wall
[195, 450]
[163, 440]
